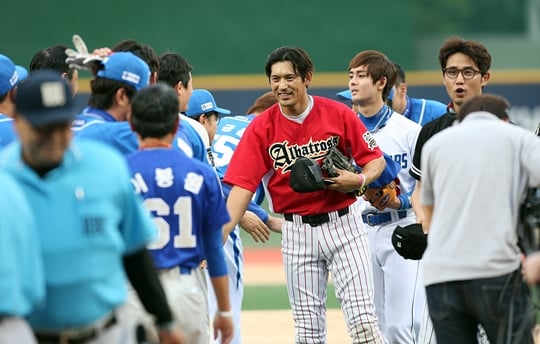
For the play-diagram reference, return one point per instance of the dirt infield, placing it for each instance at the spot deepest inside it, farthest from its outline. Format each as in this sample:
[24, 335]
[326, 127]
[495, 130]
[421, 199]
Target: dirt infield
[264, 266]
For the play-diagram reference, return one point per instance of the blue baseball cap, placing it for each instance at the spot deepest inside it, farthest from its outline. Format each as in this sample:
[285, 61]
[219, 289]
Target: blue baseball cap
[202, 101]
[45, 98]
[125, 67]
[10, 74]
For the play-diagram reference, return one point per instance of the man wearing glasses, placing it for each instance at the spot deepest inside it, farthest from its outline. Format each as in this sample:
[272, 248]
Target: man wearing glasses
[465, 69]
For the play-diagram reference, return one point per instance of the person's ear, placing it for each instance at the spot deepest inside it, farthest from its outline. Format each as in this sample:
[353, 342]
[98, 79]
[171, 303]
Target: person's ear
[121, 97]
[202, 119]
[485, 78]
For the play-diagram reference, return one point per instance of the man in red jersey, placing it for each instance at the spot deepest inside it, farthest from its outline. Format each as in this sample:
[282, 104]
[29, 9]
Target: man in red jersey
[322, 232]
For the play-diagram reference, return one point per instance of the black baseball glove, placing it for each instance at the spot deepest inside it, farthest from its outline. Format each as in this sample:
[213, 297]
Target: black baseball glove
[306, 175]
[410, 241]
[335, 159]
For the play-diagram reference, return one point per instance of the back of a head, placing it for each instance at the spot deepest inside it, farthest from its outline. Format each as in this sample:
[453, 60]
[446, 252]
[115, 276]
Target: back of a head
[491, 103]
[119, 70]
[400, 75]
[52, 58]
[476, 51]
[174, 68]
[143, 51]
[154, 111]
[262, 103]
[377, 66]
[298, 57]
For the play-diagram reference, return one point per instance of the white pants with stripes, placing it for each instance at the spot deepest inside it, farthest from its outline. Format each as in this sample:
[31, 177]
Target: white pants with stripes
[339, 247]
[399, 292]
[233, 249]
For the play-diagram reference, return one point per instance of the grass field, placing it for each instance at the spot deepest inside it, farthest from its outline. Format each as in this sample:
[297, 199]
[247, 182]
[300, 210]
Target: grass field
[275, 297]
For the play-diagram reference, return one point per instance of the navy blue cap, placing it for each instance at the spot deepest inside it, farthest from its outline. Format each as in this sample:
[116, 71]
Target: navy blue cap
[45, 98]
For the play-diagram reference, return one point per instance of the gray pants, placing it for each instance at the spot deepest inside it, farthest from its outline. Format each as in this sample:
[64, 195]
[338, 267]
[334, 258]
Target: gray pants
[16, 331]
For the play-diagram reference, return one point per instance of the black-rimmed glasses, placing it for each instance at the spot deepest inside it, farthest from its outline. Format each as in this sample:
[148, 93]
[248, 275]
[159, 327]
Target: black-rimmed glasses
[467, 73]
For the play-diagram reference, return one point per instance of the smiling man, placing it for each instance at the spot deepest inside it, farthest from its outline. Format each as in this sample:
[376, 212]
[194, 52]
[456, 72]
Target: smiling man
[322, 232]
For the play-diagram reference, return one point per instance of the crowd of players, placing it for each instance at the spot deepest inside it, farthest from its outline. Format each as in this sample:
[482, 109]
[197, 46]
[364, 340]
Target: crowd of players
[85, 259]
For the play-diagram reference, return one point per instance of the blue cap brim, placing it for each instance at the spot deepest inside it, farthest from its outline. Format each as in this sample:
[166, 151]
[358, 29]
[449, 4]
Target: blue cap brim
[43, 118]
[344, 95]
[222, 111]
[22, 72]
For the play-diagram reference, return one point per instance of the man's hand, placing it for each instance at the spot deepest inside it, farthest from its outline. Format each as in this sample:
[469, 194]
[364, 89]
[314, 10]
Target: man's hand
[255, 227]
[345, 182]
[531, 268]
[274, 224]
[224, 326]
[171, 336]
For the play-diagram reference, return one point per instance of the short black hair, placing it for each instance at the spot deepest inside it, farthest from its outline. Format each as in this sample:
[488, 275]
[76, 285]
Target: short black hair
[298, 57]
[174, 68]
[154, 111]
[103, 91]
[52, 58]
[400, 75]
[144, 51]
[494, 104]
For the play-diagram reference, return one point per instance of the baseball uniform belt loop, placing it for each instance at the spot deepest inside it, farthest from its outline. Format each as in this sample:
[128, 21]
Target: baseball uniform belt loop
[374, 218]
[317, 219]
[77, 336]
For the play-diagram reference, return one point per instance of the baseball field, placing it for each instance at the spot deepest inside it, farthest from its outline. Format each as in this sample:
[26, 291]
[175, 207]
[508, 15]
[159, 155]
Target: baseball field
[266, 315]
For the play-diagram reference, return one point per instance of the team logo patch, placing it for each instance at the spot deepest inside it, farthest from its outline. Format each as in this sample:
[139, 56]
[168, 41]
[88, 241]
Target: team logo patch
[369, 140]
[207, 106]
[131, 77]
[284, 154]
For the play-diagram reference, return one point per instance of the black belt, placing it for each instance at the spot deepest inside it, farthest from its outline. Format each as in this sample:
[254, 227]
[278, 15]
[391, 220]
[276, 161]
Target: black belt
[318, 219]
[75, 336]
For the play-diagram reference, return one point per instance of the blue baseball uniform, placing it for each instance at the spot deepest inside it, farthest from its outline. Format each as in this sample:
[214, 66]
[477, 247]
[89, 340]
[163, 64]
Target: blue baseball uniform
[99, 125]
[228, 134]
[398, 295]
[185, 198]
[7, 131]
[87, 224]
[423, 111]
[22, 285]
[89, 117]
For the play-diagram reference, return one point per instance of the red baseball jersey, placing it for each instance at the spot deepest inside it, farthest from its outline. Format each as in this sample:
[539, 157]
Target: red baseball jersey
[272, 143]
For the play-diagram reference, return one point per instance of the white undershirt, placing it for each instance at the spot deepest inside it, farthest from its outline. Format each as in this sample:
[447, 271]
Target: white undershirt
[301, 117]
